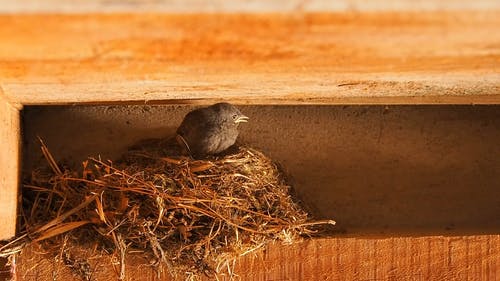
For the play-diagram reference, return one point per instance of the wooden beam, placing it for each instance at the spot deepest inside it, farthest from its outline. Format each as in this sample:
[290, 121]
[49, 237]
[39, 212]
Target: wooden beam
[368, 58]
[259, 6]
[393, 258]
[9, 167]
[396, 258]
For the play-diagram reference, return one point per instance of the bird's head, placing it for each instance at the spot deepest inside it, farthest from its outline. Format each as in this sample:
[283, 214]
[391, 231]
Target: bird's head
[230, 113]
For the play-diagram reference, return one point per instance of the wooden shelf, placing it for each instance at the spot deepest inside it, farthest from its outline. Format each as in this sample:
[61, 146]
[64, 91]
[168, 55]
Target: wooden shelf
[404, 258]
[235, 6]
[369, 58]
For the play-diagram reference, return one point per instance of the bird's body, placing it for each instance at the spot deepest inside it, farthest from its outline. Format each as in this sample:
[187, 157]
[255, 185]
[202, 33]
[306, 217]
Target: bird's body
[210, 130]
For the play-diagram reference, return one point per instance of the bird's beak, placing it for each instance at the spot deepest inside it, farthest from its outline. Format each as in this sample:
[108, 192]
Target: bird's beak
[241, 119]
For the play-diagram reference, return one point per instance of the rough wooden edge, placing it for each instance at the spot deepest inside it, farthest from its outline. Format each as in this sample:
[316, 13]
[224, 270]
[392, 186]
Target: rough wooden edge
[411, 100]
[9, 166]
[240, 5]
[307, 94]
[393, 258]
[474, 257]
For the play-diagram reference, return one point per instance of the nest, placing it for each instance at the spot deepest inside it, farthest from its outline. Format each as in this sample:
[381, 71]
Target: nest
[191, 217]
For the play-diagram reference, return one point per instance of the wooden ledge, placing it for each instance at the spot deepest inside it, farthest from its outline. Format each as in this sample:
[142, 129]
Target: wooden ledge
[259, 6]
[369, 58]
[399, 258]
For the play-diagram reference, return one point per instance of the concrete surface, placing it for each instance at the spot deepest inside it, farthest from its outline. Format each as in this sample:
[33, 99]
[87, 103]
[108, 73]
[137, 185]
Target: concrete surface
[398, 170]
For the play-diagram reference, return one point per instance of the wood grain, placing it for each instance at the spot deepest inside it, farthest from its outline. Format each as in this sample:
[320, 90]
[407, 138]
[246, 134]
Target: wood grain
[260, 6]
[9, 167]
[341, 258]
[372, 58]
[389, 58]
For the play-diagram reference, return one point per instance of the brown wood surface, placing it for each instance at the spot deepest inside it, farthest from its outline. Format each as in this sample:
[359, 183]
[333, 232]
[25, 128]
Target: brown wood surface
[9, 166]
[190, 6]
[405, 57]
[398, 258]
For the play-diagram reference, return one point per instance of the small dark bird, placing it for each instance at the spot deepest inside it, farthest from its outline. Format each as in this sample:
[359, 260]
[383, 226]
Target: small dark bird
[210, 130]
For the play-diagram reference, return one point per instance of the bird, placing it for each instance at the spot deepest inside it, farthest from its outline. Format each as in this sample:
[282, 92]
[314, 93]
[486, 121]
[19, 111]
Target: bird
[210, 130]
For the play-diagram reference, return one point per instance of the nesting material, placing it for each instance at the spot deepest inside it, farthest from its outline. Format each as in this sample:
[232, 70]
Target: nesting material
[190, 217]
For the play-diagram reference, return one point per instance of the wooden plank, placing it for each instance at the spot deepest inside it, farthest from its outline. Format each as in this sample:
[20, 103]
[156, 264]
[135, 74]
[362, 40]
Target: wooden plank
[372, 58]
[399, 258]
[260, 6]
[9, 167]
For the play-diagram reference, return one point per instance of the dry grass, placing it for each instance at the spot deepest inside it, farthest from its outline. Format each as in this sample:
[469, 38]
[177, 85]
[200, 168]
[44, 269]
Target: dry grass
[191, 217]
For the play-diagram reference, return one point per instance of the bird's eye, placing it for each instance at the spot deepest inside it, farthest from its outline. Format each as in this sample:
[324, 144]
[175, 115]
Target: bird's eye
[235, 116]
